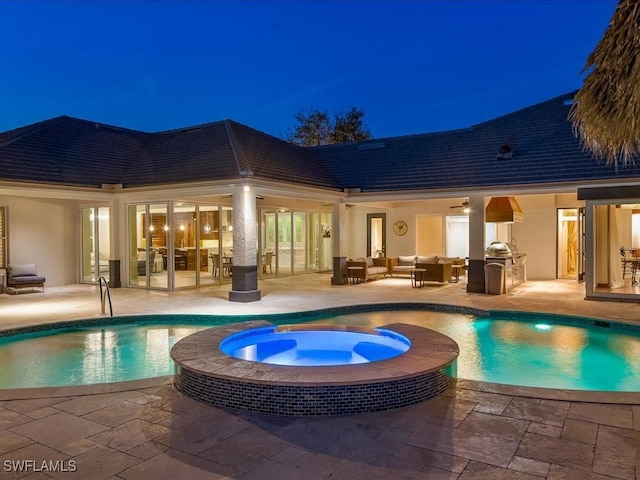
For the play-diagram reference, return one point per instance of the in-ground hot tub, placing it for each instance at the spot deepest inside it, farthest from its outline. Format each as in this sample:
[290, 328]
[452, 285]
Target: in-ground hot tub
[204, 372]
[314, 346]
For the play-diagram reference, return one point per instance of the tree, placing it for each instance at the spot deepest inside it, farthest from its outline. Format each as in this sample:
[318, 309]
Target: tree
[349, 127]
[606, 110]
[314, 127]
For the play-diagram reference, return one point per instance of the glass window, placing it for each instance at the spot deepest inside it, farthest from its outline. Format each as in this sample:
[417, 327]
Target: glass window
[616, 249]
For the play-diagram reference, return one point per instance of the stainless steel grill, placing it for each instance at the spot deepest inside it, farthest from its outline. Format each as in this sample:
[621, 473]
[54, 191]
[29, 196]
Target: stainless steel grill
[502, 250]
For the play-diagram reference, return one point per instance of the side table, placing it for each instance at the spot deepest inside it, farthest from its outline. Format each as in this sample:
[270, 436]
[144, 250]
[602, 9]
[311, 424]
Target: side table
[417, 277]
[355, 274]
[455, 273]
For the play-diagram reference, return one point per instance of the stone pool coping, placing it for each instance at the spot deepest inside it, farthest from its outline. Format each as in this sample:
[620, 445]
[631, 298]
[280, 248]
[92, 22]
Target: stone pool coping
[199, 352]
[205, 373]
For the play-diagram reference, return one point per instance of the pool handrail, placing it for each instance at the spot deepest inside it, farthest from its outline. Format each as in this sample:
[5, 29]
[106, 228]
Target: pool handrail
[104, 294]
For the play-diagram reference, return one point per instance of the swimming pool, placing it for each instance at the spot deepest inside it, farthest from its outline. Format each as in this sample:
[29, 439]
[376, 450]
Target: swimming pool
[517, 349]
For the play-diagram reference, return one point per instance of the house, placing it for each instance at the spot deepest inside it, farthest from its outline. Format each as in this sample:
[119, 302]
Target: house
[206, 204]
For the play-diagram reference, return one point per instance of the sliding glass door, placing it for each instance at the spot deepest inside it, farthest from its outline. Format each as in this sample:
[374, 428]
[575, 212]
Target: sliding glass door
[95, 244]
[186, 259]
[283, 242]
[148, 239]
[173, 245]
[294, 242]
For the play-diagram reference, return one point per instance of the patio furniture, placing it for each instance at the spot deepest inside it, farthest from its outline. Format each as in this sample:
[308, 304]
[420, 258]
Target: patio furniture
[355, 275]
[417, 277]
[455, 271]
[630, 257]
[437, 269]
[24, 276]
[403, 264]
[371, 267]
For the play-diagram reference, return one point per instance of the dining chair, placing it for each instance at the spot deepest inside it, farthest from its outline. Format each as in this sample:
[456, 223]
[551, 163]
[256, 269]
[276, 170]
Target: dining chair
[268, 259]
[226, 265]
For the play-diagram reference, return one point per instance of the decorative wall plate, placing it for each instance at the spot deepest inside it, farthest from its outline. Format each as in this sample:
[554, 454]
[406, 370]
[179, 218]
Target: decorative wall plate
[400, 227]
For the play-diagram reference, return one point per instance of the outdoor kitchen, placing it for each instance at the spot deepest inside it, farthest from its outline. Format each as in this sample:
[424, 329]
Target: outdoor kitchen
[513, 266]
[505, 266]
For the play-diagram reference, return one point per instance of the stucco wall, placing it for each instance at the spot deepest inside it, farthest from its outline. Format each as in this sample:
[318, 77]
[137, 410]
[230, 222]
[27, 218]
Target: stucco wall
[536, 236]
[45, 232]
[356, 219]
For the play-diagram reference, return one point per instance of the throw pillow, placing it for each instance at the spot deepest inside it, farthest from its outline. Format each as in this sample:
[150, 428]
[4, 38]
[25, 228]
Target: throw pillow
[22, 270]
[406, 260]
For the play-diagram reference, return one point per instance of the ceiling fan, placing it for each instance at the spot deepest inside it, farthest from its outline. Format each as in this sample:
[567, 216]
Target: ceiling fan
[464, 206]
[258, 197]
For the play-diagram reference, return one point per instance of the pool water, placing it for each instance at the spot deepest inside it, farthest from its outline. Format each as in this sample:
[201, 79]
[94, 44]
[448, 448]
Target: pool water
[320, 347]
[531, 353]
[82, 356]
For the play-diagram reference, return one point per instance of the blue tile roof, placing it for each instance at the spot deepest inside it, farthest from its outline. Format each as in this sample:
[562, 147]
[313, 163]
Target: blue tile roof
[545, 150]
[71, 151]
[68, 151]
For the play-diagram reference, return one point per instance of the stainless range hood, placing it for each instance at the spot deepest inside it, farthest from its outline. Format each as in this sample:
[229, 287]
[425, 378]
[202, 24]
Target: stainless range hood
[503, 210]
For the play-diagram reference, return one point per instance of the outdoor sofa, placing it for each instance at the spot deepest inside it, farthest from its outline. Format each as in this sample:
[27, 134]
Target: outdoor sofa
[371, 267]
[24, 276]
[437, 269]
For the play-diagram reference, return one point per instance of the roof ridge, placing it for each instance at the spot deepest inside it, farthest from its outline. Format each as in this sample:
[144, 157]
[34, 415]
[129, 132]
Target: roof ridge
[134, 158]
[238, 153]
[32, 129]
[385, 139]
[564, 96]
[106, 125]
[264, 134]
[190, 127]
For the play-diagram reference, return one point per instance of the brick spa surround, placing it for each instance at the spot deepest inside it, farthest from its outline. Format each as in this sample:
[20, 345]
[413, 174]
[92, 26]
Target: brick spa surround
[205, 373]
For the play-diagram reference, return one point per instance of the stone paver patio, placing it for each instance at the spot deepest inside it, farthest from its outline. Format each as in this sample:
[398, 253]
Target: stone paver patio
[474, 431]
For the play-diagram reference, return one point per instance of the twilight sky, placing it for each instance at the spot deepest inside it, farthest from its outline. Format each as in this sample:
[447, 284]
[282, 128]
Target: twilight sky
[412, 66]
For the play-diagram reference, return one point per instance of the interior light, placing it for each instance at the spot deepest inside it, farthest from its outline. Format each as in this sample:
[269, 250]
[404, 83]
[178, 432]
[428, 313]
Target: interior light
[247, 188]
[182, 227]
[166, 227]
[151, 228]
[231, 228]
[466, 210]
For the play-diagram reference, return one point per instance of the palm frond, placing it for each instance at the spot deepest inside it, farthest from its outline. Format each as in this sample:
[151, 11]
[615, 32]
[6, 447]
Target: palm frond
[606, 110]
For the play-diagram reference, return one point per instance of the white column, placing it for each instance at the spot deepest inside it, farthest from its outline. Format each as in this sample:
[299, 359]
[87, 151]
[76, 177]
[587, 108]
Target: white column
[244, 280]
[475, 279]
[339, 243]
[117, 241]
